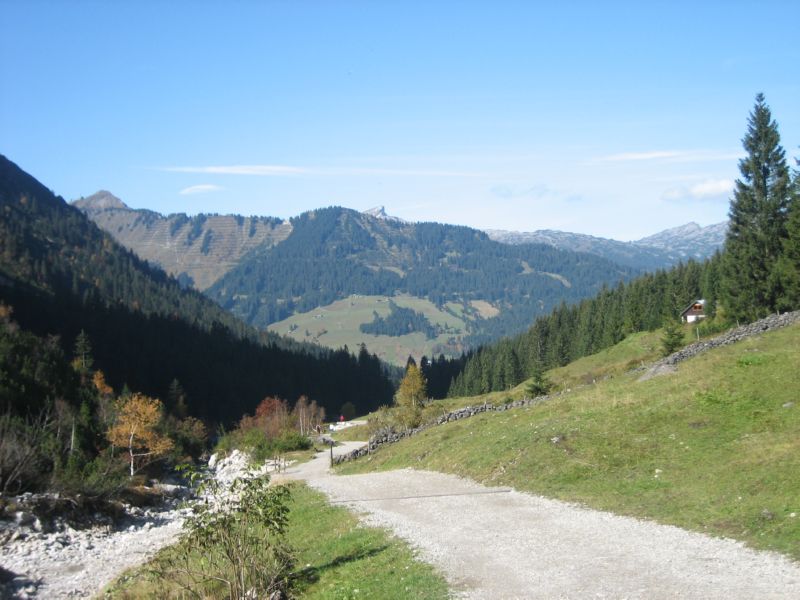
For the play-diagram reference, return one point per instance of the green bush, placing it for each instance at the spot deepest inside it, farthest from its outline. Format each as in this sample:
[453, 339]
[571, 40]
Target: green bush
[708, 327]
[237, 552]
[259, 446]
[104, 475]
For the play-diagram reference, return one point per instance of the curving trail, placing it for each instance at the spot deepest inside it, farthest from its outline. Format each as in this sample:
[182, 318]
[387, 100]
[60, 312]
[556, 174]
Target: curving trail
[498, 543]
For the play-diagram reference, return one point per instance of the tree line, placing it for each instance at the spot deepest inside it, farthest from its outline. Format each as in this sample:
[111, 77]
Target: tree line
[400, 321]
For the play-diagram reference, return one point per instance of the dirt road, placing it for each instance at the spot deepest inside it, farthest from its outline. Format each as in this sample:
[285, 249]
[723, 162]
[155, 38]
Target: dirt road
[498, 543]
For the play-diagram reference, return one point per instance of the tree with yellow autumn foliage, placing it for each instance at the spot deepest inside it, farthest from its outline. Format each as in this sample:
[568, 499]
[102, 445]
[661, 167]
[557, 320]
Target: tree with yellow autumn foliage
[135, 429]
[411, 396]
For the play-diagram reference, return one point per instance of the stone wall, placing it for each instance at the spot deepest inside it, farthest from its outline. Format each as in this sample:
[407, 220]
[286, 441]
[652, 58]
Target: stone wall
[731, 336]
[390, 435]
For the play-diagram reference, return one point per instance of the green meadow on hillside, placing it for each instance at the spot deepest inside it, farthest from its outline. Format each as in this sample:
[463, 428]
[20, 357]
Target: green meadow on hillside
[337, 325]
[714, 447]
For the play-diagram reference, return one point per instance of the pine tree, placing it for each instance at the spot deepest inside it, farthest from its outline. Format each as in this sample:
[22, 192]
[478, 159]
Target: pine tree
[539, 384]
[757, 230]
[83, 360]
[176, 397]
[672, 339]
[789, 263]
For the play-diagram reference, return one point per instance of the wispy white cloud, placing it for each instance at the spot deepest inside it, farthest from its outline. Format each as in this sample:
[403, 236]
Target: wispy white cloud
[287, 170]
[507, 192]
[672, 156]
[709, 189]
[203, 188]
[537, 192]
[264, 170]
[633, 156]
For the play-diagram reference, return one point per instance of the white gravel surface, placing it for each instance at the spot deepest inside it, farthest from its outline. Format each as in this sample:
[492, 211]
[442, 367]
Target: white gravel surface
[79, 563]
[498, 543]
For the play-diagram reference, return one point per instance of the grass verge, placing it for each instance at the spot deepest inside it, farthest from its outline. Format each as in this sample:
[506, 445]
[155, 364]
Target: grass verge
[714, 447]
[336, 559]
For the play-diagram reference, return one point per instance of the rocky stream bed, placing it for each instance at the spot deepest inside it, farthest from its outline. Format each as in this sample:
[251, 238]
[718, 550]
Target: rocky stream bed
[57, 547]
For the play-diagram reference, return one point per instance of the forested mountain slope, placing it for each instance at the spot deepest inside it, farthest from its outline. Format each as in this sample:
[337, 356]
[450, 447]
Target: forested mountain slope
[334, 252]
[570, 332]
[62, 274]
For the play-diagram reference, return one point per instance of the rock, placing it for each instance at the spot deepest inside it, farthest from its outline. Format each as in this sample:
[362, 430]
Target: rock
[22, 517]
[788, 404]
[174, 491]
[212, 461]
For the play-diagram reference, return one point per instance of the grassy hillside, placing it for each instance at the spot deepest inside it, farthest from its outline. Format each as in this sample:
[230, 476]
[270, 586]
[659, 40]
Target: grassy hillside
[337, 325]
[714, 447]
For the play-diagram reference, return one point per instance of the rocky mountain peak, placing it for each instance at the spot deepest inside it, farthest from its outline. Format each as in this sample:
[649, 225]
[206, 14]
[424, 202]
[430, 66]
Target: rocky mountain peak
[684, 237]
[100, 200]
[379, 212]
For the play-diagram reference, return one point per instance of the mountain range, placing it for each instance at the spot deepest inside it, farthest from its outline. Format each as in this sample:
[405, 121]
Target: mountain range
[328, 276]
[660, 250]
[61, 275]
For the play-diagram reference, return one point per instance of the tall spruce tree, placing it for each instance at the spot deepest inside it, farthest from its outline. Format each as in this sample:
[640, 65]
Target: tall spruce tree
[757, 229]
[789, 263]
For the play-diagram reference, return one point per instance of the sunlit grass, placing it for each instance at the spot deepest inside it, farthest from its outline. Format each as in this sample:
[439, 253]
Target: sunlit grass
[335, 558]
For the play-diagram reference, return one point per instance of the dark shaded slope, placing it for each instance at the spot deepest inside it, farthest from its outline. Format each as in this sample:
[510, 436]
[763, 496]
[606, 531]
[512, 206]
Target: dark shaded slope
[61, 274]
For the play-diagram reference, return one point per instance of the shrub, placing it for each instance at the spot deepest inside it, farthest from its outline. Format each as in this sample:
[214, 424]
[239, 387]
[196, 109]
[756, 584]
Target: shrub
[233, 541]
[260, 446]
[26, 450]
[105, 475]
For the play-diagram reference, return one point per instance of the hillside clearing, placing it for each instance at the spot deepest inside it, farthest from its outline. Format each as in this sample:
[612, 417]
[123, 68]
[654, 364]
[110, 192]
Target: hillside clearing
[337, 325]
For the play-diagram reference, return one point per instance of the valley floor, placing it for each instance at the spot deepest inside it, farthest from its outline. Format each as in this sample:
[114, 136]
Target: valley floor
[499, 543]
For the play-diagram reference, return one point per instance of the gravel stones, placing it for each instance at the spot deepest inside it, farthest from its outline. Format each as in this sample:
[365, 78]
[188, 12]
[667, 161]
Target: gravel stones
[516, 545]
[56, 558]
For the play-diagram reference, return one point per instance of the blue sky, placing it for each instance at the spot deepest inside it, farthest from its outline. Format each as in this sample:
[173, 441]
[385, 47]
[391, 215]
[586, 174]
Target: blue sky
[612, 119]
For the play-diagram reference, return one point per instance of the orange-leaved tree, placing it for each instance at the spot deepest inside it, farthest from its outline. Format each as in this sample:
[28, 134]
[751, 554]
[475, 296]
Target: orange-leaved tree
[135, 428]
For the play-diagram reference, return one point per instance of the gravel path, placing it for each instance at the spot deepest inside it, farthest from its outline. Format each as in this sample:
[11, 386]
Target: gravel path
[498, 543]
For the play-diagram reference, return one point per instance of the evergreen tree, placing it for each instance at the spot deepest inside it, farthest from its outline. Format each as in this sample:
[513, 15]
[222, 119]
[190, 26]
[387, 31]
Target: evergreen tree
[672, 339]
[539, 384]
[789, 263]
[757, 230]
[176, 397]
[83, 360]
